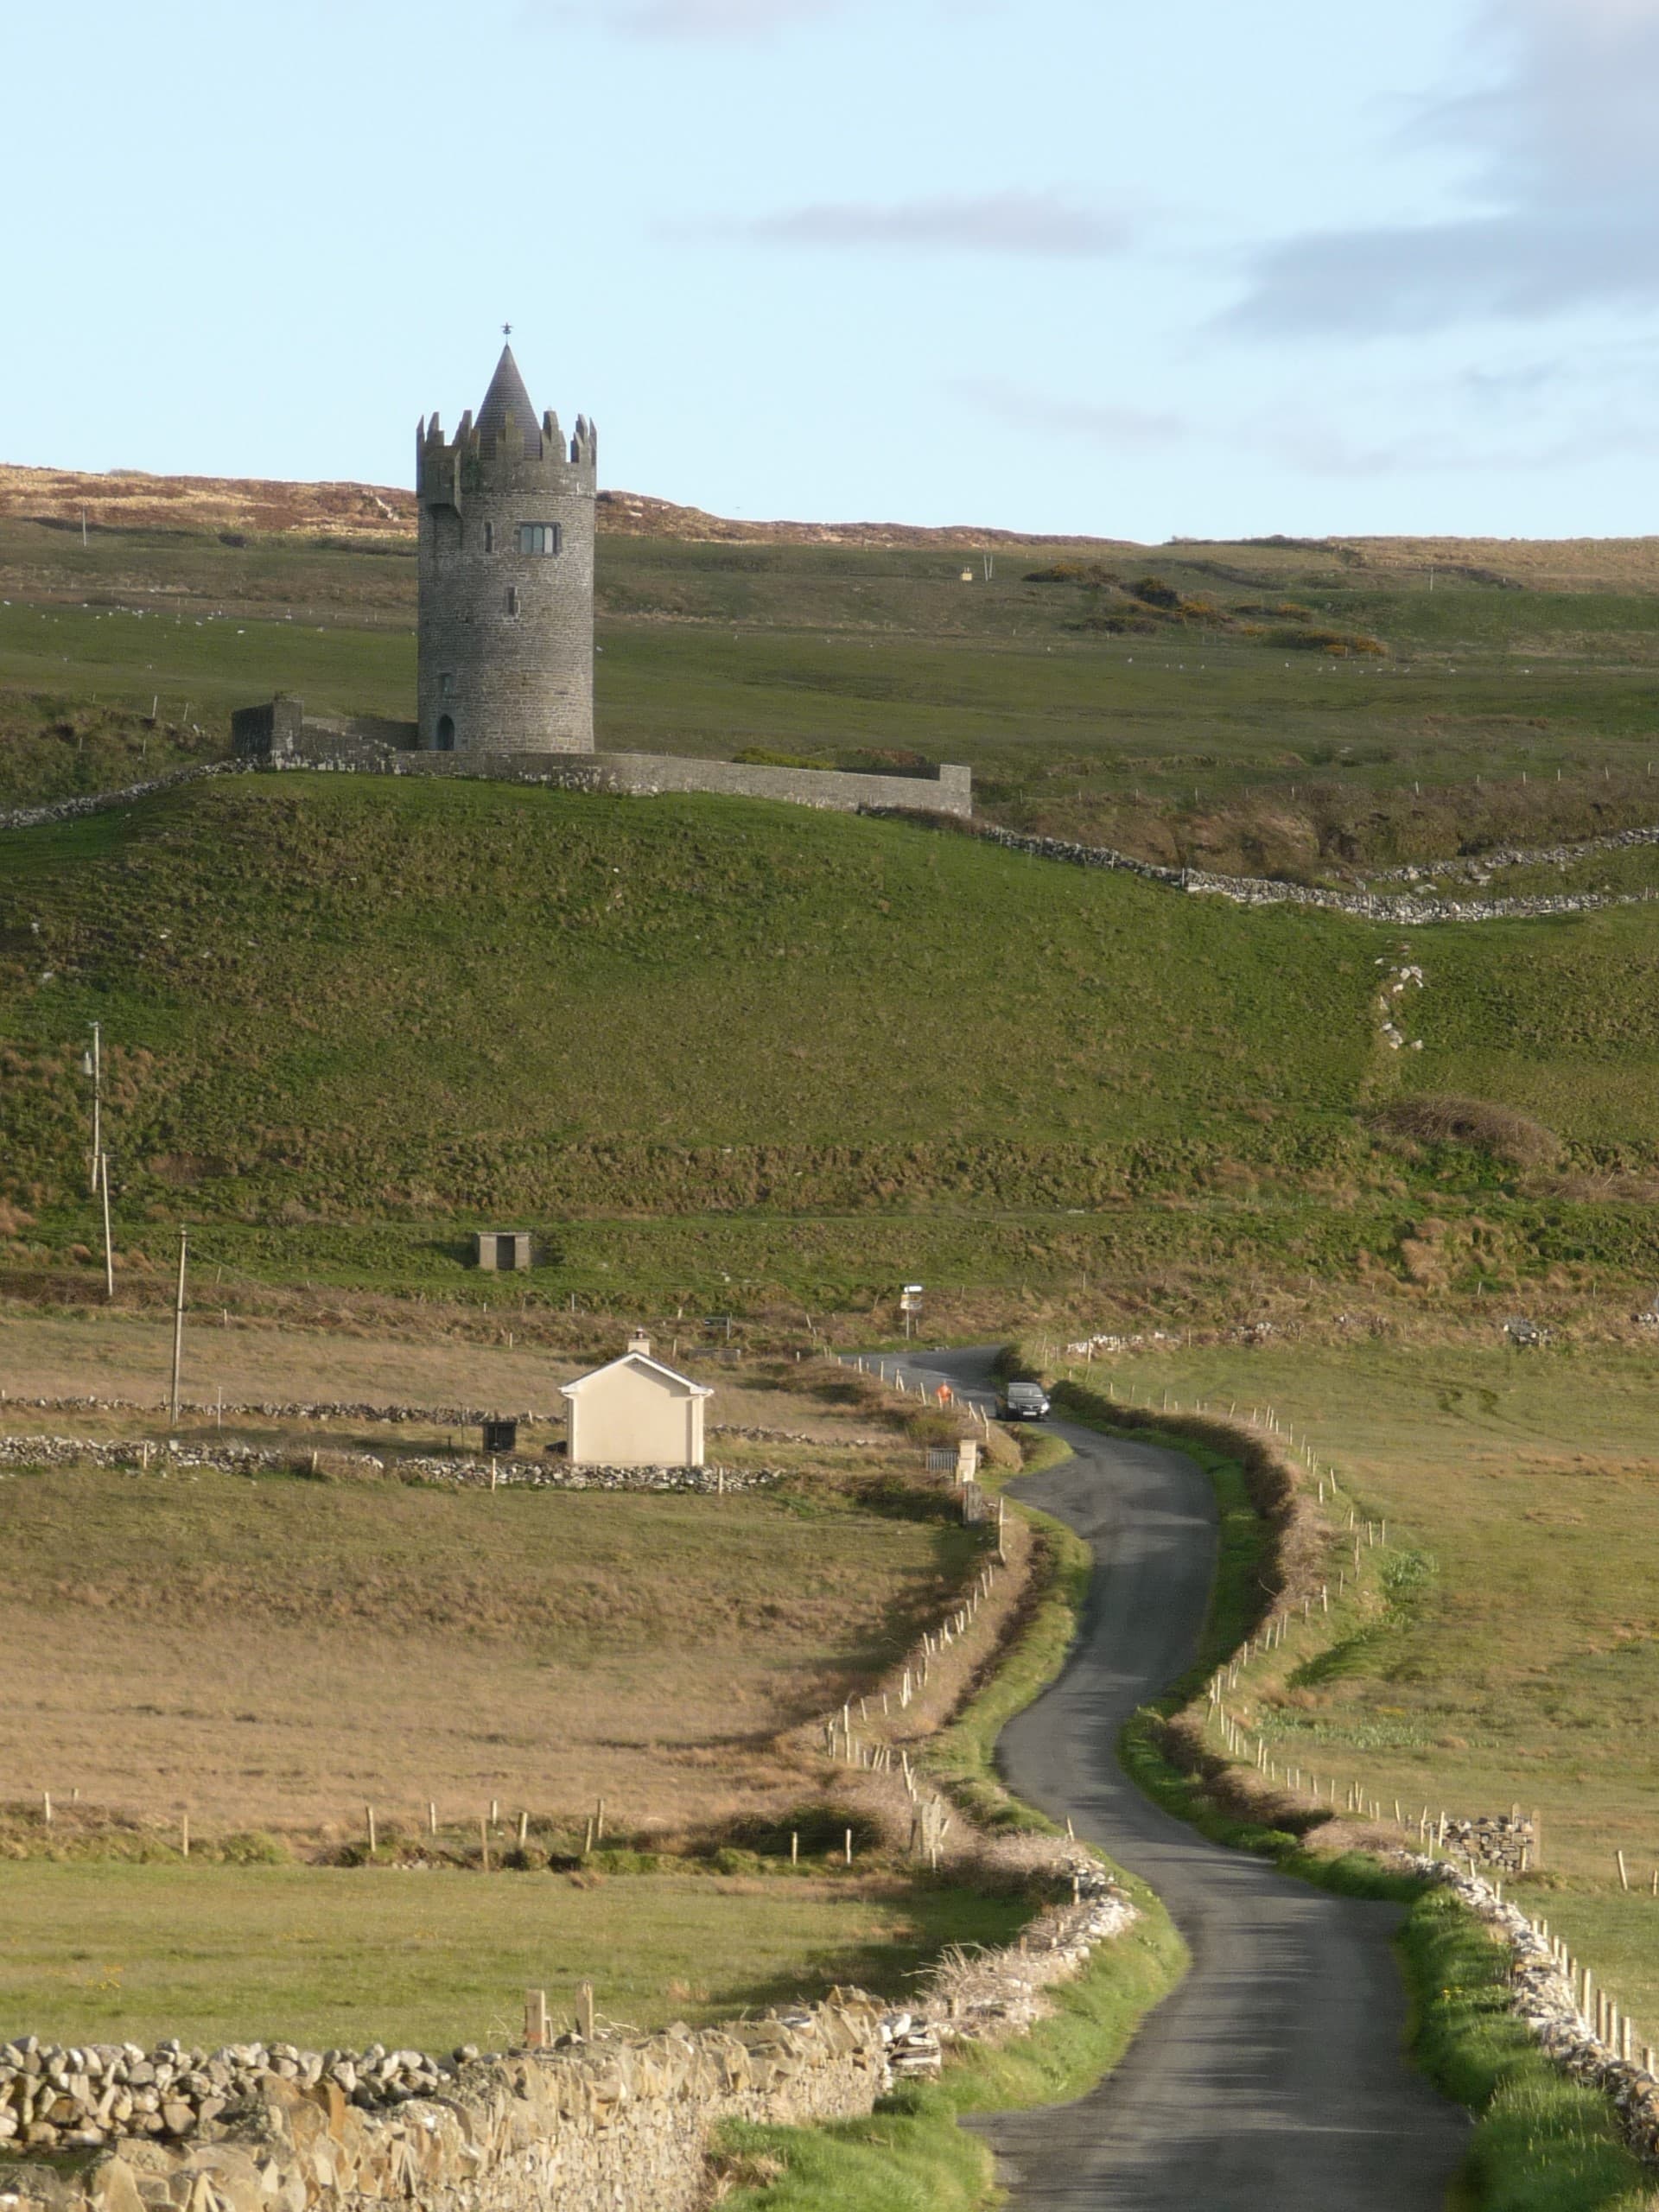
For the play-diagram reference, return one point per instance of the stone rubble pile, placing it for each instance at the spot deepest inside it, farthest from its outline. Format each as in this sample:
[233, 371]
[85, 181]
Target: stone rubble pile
[991, 1996]
[1504, 1841]
[1546, 2000]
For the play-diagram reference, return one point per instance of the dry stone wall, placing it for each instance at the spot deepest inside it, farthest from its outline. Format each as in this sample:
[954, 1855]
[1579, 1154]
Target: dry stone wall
[1575, 2023]
[472, 1472]
[72, 809]
[1411, 909]
[619, 2124]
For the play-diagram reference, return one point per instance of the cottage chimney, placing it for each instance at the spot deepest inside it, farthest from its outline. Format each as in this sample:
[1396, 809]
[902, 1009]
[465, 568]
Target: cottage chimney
[639, 1342]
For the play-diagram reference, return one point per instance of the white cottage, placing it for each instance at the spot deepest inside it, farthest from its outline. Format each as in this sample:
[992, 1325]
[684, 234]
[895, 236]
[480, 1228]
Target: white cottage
[635, 1413]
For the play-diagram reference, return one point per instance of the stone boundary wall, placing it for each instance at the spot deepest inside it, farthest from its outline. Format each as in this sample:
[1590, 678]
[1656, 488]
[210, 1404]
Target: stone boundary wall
[473, 1472]
[72, 809]
[1553, 1997]
[621, 2123]
[590, 2128]
[1474, 868]
[394, 1415]
[645, 775]
[1365, 906]
[339, 747]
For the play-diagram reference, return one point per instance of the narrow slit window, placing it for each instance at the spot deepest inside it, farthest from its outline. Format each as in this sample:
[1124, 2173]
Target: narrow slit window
[541, 538]
[512, 598]
[489, 537]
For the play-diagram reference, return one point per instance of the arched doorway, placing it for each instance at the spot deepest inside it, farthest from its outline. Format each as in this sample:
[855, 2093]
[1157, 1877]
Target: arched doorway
[446, 732]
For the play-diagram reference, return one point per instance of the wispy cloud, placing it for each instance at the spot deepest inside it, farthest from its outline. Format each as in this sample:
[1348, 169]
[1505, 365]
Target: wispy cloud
[1103, 422]
[1031, 224]
[735, 19]
[700, 19]
[1528, 415]
[1564, 190]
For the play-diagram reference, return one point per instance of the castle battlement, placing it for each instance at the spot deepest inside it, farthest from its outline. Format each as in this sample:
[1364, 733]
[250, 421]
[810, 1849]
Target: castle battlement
[506, 576]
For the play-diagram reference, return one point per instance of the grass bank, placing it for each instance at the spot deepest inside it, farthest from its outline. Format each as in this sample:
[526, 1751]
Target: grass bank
[1542, 2143]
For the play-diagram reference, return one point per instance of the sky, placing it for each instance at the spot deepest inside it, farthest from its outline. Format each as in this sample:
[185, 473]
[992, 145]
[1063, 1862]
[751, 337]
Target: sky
[1221, 268]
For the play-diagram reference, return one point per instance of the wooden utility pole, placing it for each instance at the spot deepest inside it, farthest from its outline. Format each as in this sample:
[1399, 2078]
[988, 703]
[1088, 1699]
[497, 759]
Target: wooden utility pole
[178, 1324]
[109, 1255]
[95, 1069]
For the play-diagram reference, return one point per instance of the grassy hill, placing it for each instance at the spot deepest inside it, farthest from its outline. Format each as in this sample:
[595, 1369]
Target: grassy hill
[699, 1043]
[1221, 704]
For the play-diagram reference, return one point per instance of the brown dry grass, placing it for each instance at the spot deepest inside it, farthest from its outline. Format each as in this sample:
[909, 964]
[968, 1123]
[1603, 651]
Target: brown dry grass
[1507, 1135]
[83, 1351]
[274, 1653]
[1616, 564]
[130, 498]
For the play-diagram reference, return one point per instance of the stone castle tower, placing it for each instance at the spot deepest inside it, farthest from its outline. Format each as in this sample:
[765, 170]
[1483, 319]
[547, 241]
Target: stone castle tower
[506, 578]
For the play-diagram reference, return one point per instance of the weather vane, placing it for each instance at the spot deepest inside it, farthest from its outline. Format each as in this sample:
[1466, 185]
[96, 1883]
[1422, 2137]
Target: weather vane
[507, 330]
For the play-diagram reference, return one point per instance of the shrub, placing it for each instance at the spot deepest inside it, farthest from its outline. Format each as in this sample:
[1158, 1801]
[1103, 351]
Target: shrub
[1340, 643]
[253, 1847]
[1153, 591]
[1484, 1125]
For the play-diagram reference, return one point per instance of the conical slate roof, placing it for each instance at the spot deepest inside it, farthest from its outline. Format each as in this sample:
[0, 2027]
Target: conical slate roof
[507, 390]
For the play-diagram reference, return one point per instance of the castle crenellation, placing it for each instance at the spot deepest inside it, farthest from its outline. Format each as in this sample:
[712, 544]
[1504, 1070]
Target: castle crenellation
[506, 577]
[504, 687]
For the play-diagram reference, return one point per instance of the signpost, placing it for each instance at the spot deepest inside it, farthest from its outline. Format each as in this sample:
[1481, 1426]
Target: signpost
[910, 1303]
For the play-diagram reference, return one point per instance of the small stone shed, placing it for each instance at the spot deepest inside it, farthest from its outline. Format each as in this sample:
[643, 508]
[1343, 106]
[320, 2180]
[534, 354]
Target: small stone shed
[635, 1413]
[503, 1251]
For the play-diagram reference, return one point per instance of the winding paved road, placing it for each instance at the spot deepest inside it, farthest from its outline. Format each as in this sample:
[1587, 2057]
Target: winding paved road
[1273, 2080]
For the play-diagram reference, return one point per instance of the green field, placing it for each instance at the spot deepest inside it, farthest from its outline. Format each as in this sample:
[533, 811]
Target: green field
[216, 1954]
[1200, 730]
[710, 1048]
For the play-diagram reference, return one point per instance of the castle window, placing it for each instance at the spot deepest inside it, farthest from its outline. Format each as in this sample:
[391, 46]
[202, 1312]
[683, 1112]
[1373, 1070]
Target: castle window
[512, 598]
[540, 537]
[447, 684]
[489, 537]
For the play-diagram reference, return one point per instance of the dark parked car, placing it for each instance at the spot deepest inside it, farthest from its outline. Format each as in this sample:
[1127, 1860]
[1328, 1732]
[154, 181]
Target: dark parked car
[1025, 1401]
